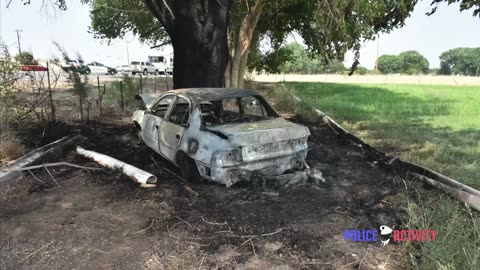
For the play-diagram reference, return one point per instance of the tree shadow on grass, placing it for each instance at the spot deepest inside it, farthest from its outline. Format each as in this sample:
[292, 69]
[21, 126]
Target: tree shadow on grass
[400, 124]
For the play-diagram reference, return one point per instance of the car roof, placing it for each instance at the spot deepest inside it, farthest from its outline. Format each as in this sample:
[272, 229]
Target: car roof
[212, 94]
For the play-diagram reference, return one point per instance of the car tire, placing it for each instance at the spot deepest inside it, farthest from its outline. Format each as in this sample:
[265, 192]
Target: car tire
[87, 71]
[111, 72]
[137, 133]
[145, 72]
[188, 169]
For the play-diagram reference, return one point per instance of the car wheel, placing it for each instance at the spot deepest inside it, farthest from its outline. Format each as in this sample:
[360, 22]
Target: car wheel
[133, 73]
[145, 72]
[137, 133]
[87, 71]
[156, 72]
[111, 72]
[189, 170]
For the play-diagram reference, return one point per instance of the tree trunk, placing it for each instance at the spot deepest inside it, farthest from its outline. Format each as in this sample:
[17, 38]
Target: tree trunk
[243, 42]
[198, 30]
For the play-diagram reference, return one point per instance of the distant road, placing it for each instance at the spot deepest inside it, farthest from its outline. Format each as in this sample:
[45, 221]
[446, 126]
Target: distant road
[41, 77]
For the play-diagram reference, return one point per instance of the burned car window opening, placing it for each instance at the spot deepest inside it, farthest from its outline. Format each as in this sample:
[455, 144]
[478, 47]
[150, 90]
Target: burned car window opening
[181, 112]
[235, 110]
[161, 108]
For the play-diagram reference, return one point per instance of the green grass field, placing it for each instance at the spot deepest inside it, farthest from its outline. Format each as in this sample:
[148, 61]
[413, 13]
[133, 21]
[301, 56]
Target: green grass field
[434, 126]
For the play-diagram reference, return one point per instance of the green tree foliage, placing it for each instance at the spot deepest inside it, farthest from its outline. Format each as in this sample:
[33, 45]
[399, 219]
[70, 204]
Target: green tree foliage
[413, 63]
[388, 64]
[293, 58]
[116, 19]
[460, 61]
[409, 62]
[25, 58]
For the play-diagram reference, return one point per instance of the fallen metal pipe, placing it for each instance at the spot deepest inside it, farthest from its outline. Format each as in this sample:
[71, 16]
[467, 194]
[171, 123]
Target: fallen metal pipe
[138, 175]
[463, 196]
[12, 171]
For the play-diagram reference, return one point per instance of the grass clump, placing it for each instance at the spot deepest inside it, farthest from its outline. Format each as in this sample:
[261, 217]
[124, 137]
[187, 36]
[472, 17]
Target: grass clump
[130, 88]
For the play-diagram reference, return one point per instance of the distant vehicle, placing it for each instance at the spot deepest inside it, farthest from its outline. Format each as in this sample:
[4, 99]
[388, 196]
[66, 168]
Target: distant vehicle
[143, 67]
[164, 64]
[99, 68]
[124, 69]
[76, 66]
[33, 68]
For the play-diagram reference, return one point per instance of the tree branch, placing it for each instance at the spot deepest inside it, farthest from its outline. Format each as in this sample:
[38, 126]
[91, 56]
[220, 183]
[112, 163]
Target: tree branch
[161, 44]
[160, 14]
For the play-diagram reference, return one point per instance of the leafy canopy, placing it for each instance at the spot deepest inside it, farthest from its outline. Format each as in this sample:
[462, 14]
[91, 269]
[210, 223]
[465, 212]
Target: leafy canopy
[25, 58]
[460, 61]
[293, 58]
[409, 62]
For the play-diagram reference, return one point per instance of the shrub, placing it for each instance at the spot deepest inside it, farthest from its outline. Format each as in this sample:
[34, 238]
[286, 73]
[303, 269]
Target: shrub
[11, 147]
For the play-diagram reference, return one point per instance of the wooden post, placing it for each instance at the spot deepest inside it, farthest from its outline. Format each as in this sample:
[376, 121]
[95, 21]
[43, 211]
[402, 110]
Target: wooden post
[166, 80]
[50, 97]
[121, 96]
[155, 88]
[141, 84]
[99, 97]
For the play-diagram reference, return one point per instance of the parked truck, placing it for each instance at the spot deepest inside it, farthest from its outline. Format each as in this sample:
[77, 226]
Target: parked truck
[163, 64]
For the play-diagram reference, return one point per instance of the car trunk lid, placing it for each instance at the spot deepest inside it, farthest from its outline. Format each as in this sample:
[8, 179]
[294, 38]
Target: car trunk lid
[265, 139]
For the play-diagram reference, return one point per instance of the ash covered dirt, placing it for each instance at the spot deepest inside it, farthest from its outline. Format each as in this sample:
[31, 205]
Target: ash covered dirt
[102, 220]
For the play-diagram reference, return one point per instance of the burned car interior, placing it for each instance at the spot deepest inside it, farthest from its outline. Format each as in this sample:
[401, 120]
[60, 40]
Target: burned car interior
[237, 110]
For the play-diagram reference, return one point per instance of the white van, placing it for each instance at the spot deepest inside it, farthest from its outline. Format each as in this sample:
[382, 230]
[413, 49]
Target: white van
[163, 64]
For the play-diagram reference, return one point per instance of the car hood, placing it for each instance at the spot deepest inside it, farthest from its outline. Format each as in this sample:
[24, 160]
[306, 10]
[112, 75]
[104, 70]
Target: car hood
[262, 132]
[148, 99]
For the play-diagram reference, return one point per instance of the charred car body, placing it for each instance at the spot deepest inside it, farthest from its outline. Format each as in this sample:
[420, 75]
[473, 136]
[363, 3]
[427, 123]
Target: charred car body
[221, 134]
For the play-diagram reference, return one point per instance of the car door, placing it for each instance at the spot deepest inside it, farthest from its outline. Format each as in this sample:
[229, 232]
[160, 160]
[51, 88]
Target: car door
[150, 67]
[153, 120]
[172, 129]
[94, 68]
[102, 69]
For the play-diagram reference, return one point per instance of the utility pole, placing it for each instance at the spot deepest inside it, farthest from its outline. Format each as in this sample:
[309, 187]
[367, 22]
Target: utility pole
[128, 56]
[18, 40]
[376, 62]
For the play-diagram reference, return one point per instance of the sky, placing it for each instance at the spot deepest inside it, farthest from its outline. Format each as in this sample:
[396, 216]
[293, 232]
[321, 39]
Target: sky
[430, 35]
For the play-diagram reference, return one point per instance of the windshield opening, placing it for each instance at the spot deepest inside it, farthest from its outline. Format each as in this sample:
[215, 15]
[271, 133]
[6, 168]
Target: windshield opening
[236, 110]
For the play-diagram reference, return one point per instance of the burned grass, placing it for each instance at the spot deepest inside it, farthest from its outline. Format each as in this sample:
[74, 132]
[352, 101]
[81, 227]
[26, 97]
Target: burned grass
[101, 220]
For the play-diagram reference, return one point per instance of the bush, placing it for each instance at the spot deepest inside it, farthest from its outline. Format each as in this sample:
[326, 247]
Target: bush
[11, 147]
[130, 87]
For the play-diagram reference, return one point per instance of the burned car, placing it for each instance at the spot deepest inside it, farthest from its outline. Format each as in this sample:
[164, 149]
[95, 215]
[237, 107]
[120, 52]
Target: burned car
[224, 135]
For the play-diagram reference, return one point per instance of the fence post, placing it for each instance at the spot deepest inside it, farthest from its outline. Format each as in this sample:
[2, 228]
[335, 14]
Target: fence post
[99, 96]
[166, 80]
[155, 89]
[121, 96]
[141, 84]
[50, 97]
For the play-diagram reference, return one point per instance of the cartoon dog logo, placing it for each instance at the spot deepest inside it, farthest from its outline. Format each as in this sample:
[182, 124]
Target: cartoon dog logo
[385, 234]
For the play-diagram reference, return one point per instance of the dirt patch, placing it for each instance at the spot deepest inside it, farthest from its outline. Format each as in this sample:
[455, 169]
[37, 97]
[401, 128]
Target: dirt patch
[100, 220]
